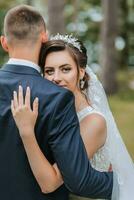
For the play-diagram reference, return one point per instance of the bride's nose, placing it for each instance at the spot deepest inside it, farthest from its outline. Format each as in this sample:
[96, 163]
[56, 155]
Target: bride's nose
[57, 78]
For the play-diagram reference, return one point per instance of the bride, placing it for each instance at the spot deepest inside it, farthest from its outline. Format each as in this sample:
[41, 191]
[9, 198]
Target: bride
[63, 60]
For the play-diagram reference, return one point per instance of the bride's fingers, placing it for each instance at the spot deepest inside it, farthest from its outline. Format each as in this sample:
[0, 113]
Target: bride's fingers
[20, 96]
[27, 97]
[12, 108]
[15, 100]
[36, 105]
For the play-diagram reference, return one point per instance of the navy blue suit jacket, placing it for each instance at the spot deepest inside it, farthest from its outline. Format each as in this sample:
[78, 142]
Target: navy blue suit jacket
[58, 135]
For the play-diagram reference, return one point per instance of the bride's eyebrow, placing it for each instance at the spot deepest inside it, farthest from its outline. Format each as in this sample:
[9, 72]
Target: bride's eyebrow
[64, 65]
[47, 67]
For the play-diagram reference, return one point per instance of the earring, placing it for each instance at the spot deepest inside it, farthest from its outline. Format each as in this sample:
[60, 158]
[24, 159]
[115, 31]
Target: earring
[82, 82]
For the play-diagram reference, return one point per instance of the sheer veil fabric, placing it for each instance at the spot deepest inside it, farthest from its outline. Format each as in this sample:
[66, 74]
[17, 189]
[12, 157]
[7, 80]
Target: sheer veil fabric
[119, 157]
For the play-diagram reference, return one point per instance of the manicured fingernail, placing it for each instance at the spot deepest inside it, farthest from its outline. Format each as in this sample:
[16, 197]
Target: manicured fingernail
[36, 99]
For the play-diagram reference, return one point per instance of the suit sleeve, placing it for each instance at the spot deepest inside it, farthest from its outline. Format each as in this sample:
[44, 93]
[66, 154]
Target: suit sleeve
[70, 154]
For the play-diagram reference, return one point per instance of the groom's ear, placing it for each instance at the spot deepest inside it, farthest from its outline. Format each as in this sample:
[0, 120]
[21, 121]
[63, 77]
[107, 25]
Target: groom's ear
[4, 44]
[44, 37]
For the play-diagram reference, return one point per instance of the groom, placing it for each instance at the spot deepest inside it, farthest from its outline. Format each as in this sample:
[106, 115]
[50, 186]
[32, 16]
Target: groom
[57, 129]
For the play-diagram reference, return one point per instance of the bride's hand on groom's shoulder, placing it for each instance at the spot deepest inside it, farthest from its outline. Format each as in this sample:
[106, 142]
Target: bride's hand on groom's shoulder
[25, 117]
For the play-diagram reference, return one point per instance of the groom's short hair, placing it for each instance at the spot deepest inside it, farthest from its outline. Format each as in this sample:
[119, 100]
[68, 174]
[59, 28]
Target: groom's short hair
[23, 23]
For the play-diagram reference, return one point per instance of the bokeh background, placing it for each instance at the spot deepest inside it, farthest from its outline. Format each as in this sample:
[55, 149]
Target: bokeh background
[107, 29]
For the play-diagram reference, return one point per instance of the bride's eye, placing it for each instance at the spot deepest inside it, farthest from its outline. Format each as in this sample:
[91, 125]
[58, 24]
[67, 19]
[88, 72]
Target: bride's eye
[49, 72]
[66, 69]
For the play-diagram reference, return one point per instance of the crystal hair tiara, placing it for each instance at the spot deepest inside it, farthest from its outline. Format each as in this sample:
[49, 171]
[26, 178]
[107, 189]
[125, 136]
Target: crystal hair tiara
[68, 39]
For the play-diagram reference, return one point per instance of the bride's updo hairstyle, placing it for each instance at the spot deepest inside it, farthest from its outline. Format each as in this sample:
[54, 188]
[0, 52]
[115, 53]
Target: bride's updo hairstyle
[79, 55]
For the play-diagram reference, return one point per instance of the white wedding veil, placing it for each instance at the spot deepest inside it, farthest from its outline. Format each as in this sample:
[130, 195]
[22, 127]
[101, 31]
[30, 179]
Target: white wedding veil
[119, 157]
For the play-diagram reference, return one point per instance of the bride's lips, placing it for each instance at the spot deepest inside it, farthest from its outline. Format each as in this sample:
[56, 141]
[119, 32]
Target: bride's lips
[63, 86]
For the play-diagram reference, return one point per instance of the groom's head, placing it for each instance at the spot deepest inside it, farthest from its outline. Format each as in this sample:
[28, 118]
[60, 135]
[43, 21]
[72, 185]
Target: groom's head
[23, 25]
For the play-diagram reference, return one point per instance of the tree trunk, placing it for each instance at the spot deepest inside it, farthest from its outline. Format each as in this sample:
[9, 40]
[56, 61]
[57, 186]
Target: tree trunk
[56, 22]
[29, 2]
[75, 4]
[124, 33]
[108, 54]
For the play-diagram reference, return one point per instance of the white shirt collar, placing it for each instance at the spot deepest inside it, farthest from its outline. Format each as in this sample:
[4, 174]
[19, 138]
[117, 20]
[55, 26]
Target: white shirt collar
[16, 61]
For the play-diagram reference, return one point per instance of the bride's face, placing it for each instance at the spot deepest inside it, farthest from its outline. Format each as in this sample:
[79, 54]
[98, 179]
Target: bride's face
[61, 69]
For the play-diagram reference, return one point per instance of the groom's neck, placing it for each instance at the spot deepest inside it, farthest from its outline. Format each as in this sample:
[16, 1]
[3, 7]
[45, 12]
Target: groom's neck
[31, 54]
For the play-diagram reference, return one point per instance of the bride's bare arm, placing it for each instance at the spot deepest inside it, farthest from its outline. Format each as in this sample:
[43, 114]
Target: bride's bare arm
[48, 176]
[93, 132]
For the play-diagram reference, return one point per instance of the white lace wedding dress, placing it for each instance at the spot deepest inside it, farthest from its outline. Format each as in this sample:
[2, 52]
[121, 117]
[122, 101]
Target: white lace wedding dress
[100, 160]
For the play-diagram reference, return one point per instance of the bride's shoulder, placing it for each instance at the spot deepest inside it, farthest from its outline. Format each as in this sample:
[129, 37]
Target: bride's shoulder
[96, 123]
[93, 128]
[95, 119]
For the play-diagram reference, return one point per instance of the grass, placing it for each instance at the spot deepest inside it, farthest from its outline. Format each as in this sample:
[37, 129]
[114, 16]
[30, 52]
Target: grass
[122, 105]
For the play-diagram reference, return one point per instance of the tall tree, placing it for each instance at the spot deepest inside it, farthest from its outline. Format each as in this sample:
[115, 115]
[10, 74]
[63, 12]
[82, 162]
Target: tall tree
[124, 32]
[75, 13]
[56, 22]
[108, 54]
[29, 2]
